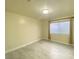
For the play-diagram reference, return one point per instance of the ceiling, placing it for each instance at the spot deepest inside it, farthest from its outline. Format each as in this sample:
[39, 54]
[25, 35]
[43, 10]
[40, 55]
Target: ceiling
[33, 8]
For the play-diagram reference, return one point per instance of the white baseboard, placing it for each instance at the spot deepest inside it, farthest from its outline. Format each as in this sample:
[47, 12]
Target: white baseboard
[21, 46]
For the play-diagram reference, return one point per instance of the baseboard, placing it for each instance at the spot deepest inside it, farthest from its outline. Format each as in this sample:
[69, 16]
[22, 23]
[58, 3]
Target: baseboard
[8, 51]
[62, 43]
[58, 41]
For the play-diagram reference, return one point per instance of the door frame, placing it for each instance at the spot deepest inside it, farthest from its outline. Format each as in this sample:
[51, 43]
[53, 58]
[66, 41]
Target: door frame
[71, 28]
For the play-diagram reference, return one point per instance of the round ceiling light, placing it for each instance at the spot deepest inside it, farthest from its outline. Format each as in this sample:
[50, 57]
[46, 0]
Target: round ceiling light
[45, 11]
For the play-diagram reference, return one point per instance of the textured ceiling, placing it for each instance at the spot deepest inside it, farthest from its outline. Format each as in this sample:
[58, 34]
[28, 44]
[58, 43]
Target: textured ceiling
[33, 8]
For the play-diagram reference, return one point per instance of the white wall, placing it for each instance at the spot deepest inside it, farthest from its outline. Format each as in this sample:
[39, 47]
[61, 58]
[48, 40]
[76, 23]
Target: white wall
[21, 30]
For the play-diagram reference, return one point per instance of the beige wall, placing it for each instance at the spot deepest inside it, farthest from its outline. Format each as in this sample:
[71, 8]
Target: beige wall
[20, 30]
[44, 29]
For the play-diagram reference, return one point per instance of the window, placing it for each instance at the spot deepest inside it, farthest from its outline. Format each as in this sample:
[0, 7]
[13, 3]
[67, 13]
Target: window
[60, 27]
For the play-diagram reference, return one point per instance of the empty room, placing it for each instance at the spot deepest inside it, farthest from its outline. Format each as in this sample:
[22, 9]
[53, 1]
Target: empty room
[39, 29]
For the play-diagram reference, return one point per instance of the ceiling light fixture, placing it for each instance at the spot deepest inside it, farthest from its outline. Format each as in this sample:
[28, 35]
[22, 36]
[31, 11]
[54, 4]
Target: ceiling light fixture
[45, 11]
